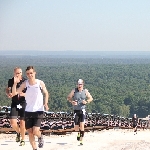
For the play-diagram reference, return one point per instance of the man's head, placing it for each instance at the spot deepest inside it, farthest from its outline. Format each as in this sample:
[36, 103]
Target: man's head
[30, 72]
[80, 84]
[18, 72]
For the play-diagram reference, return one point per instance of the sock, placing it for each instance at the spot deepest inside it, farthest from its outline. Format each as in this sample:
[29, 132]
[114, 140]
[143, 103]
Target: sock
[78, 136]
[81, 143]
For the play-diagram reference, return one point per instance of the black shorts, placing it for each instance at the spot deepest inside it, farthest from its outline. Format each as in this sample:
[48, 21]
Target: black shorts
[79, 116]
[33, 119]
[134, 125]
[17, 111]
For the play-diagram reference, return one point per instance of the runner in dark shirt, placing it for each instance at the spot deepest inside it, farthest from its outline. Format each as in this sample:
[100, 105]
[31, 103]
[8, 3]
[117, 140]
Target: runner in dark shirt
[18, 105]
[135, 122]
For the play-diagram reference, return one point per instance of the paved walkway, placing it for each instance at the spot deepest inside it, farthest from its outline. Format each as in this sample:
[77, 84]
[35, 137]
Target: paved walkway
[103, 140]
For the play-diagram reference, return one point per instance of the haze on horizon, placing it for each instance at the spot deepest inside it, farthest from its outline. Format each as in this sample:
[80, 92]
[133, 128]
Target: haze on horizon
[75, 25]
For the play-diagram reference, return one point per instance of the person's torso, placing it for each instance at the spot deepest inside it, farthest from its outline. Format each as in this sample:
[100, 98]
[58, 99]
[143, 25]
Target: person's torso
[79, 97]
[17, 98]
[135, 120]
[34, 97]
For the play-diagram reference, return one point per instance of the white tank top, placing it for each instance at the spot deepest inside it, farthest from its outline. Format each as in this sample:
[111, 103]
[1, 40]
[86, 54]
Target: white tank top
[34, 97]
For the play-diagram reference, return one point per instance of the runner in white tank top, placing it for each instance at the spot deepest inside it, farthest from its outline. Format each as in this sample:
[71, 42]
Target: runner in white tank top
[35, 105]
[34, 102]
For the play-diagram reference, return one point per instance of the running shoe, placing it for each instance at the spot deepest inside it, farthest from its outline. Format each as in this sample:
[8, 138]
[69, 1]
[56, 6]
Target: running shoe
[22, 143]
[81, 143]
[41, 142]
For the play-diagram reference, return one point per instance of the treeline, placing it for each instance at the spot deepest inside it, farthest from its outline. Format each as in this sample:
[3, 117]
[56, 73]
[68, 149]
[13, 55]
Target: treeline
[118, 86]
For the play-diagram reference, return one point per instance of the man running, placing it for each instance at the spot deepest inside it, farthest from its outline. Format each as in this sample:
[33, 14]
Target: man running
[135, 122]
[79, 97]
[17, 106]
[35, 106]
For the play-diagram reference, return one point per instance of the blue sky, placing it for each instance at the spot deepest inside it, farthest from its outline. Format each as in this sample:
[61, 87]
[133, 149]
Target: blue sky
[82, 25]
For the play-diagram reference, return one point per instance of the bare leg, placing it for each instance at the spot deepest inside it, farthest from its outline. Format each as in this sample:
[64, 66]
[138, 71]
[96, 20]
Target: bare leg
[14, 125]
[36, 131]
[81, 130]
[32, 138]
[76, 127]
[22, 129]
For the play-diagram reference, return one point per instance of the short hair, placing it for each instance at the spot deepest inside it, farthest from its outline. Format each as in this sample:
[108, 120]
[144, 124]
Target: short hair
[16, 68]
[30, 67]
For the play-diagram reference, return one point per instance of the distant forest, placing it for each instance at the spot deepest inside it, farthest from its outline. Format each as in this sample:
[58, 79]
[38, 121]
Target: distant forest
[118, 86]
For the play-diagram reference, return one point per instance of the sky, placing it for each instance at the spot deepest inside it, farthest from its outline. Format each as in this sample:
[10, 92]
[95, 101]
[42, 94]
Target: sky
[75, 25]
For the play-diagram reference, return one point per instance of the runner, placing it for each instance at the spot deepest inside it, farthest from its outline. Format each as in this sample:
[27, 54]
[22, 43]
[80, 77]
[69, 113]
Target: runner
[79, 97]
[135, 122]
[35, 106]
[17, 106]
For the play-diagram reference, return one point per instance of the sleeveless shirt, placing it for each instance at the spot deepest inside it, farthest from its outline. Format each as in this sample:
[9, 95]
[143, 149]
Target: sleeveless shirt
[79, 96]
[34, 97]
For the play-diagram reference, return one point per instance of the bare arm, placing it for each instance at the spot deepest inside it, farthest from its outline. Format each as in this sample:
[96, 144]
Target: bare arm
[8, 89]
[22, 94]
[89, 97]
[8, 92]
[46, 94]
[69, 97]
[18, 90]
